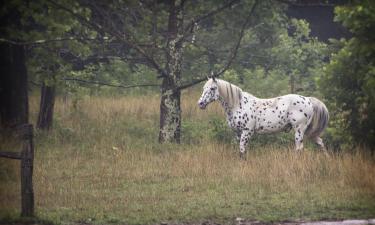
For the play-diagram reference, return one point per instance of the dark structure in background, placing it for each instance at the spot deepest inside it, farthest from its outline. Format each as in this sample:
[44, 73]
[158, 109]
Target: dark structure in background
[13, 86]
[320, 15]
[14, 117]
[14, 110]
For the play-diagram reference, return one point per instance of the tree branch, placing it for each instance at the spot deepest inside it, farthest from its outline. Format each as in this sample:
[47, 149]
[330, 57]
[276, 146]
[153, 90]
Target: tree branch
[306, 3]
[233, 52]
[198, 19]
[110, 85]
[235, 49]
[40, 42]
[10, 155]
[119, 36]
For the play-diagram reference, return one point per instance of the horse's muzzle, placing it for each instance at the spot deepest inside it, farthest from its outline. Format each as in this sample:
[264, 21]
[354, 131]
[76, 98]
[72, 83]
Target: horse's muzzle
[201, 105]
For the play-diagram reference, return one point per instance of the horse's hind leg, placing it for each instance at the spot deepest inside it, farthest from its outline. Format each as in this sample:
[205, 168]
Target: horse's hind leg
[319, 141]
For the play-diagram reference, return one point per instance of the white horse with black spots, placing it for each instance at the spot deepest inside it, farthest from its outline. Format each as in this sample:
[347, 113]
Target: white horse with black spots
[247, 114]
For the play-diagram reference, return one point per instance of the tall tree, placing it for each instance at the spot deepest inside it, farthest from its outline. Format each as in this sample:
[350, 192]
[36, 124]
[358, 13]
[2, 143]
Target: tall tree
[161, 34]
[48, 35]
[352, 71]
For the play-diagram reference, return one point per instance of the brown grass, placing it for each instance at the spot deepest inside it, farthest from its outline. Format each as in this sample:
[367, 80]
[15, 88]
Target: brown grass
[102, 163]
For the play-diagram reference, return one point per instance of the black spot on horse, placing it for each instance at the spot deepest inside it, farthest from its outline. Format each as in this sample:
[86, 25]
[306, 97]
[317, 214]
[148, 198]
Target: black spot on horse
[305, 114]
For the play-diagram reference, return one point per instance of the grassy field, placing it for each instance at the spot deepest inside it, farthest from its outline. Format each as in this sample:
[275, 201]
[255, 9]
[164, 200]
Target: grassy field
[102, 164]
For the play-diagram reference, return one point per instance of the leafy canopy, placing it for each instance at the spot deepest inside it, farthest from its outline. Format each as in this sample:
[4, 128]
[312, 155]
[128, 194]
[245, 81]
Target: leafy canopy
[349, 81]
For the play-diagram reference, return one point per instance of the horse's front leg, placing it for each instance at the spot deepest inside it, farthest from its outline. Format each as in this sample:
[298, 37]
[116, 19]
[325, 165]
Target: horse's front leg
[238, 135]
[244, 140]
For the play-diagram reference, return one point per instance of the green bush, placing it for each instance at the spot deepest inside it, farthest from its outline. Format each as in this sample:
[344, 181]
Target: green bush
[219, 130]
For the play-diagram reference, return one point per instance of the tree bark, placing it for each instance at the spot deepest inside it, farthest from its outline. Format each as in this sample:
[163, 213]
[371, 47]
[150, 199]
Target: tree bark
[170, 107]
[170, 114]
[47, 103]
[14, 108]
[27, 162]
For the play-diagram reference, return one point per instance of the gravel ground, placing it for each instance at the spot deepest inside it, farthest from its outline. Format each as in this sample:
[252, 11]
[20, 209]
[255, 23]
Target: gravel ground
[240, 221]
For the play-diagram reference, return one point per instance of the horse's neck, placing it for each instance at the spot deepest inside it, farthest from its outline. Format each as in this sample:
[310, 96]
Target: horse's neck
[228, 110]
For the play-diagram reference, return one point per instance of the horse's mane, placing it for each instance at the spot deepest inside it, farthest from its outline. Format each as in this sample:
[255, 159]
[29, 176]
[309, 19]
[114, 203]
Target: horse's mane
[230, 93]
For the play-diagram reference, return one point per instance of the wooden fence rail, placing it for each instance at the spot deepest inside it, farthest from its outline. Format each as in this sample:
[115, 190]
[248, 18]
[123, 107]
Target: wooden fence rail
[24, 133]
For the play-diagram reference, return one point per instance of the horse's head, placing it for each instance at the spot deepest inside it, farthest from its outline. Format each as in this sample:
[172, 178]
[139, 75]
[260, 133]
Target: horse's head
[210, 93]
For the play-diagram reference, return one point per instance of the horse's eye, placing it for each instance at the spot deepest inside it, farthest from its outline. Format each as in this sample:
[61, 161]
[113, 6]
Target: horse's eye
[212, 88]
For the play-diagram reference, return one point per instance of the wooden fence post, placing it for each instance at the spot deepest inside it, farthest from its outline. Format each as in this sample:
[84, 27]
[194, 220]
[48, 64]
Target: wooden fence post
[25, 132]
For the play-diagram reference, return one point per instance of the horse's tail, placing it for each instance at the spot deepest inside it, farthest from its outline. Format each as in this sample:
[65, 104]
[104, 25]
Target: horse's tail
[319, 120]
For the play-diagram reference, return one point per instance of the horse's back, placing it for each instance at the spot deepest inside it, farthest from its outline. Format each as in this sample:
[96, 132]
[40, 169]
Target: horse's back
[279, 113]
[300, 109]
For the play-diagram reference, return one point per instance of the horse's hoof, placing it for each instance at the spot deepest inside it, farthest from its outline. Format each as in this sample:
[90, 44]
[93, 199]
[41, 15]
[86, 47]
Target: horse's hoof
[242, 156]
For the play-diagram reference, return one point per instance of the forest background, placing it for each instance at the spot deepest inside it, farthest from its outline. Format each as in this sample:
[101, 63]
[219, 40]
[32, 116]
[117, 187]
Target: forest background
[123, 78]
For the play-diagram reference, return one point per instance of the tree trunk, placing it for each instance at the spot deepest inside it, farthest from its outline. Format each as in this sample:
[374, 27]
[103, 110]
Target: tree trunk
[170, 107]
[170, 114]
[47, 102]
[14, 112]
[14, 107]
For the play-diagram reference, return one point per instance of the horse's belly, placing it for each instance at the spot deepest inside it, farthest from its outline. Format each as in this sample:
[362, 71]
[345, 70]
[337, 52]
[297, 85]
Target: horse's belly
[271, 128]
[271, 125]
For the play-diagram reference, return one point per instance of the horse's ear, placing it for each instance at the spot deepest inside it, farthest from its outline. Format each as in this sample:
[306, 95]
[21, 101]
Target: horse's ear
[213, 76]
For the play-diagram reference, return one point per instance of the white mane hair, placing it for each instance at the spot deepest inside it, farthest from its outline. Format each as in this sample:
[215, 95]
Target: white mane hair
[230, 93]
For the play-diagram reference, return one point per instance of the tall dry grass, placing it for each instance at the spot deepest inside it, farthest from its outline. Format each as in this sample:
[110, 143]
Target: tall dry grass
[102, 164]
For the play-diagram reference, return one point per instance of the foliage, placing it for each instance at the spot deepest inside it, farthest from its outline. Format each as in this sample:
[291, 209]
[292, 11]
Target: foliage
[219, 130]
[285, 60]
[349, 79]
[299, 56]
[274, 53]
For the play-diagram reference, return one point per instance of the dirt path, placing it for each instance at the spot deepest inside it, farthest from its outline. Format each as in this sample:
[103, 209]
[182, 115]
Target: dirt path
[342, 222]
